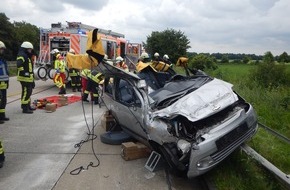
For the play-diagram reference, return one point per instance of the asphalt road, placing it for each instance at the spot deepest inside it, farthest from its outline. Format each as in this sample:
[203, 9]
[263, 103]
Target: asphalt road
[40, 151]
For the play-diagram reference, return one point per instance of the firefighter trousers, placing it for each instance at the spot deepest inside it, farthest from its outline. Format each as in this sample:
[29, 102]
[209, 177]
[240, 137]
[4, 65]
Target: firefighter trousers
[3, 100]
[59, 80]
[92, 87]
[26, 92]
[75, 82]
[2, 157]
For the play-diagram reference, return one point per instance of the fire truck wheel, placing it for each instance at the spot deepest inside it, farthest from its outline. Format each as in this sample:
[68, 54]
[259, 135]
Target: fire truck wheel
[51, 73]
[40, 73]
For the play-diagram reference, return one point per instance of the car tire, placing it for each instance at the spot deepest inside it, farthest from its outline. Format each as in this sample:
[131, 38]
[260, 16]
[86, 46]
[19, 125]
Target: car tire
[174, 165]
[115, 137]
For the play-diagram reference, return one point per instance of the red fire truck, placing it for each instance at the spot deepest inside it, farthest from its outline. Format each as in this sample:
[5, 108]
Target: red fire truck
[73, 35]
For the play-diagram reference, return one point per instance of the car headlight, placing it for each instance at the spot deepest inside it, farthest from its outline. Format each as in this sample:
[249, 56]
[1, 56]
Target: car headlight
[205, 162]
[183, 145]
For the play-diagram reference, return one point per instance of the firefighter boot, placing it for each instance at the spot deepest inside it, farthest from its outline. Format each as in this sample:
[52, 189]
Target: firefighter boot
[96, 100]
[2, 159]
[3, 117]
[31, 107]
[85, 97]
[62, 90]
[26, 109]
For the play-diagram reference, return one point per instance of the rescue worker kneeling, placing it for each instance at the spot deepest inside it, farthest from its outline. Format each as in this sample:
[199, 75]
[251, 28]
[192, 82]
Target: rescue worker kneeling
[59, 77]
[94, 78]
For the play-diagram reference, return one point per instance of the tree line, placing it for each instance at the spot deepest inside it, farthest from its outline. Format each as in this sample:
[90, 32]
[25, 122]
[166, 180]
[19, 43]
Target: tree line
[14, 33]
[170, 41]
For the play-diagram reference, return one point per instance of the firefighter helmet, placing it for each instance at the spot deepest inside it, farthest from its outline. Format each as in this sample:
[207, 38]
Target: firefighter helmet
[105, 56]
[144, 55]
[54, 51]
[119, 59]
[156, 54]
[72, 51]
[165, 57]
[2, 45]
[27, 45]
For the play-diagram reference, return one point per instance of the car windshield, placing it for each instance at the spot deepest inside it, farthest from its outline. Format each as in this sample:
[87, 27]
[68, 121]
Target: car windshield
[176, 89]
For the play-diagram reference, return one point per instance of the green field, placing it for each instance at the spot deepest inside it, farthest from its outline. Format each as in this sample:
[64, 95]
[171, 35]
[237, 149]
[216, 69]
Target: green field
[240, 171]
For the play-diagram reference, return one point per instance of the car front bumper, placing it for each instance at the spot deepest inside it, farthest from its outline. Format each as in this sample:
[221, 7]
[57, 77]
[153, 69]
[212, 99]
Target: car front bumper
[222, 141]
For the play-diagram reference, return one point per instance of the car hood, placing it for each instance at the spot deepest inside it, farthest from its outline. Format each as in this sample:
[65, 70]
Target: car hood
[207, 100]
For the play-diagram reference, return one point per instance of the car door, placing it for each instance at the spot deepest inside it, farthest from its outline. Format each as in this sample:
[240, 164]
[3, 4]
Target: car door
[128, 108]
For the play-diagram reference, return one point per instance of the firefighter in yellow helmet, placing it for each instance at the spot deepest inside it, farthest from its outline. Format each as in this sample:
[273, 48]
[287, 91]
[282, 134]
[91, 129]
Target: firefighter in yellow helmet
[25, 75]
[4, 83]
[59, 66]
[75, 76]
[143, 62]
[94, 78]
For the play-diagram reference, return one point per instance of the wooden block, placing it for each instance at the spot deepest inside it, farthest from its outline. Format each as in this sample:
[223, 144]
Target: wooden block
[108, 122]
[62, 100]
[50, 107]
[132, 151]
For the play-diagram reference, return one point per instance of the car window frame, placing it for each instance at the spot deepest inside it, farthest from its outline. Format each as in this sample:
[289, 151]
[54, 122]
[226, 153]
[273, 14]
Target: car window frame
[135, 102]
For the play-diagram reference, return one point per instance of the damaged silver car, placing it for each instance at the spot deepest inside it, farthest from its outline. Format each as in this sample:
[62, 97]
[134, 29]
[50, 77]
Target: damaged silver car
[193, 121]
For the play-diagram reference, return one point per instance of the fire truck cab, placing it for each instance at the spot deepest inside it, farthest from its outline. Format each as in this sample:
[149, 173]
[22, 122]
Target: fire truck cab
[74, 36]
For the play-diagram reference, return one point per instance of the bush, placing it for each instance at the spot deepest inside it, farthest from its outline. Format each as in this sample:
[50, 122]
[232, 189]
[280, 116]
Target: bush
[269, 75]
[202, 62]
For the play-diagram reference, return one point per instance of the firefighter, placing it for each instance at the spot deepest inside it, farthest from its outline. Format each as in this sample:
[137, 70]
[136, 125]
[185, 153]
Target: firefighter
[121, 64]
[166, 60]
[4, 83]
[2, 156]
[156, 57]
[143, 62]
[59, 66]
[25, 75]
[94, 78]
[75, 76]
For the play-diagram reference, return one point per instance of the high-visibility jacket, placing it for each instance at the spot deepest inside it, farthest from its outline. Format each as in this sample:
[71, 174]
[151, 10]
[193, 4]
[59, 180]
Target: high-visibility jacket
[4, 74]
[85, 73]
[24, 67]
[74, 72]
[59, 64]
[96, 76]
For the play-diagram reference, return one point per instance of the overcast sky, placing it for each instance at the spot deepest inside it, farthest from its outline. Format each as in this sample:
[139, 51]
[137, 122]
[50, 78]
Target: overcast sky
[225, 26]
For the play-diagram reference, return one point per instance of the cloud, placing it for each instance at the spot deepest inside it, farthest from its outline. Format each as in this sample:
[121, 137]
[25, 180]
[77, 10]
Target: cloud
[238, 26]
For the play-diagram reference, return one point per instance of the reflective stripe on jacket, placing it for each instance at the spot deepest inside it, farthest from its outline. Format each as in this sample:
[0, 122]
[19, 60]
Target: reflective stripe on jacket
[60, 65]
[24, 67]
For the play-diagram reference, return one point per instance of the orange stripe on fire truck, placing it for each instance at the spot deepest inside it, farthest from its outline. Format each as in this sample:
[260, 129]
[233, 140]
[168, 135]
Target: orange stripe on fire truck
[75, 43]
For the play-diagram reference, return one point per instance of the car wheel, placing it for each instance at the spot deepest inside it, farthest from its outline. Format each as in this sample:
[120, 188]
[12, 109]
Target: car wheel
[175, 166]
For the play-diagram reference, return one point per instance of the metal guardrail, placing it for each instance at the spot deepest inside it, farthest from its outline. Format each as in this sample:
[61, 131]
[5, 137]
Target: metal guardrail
[251, 152]
[275, 133]
[273, 169]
